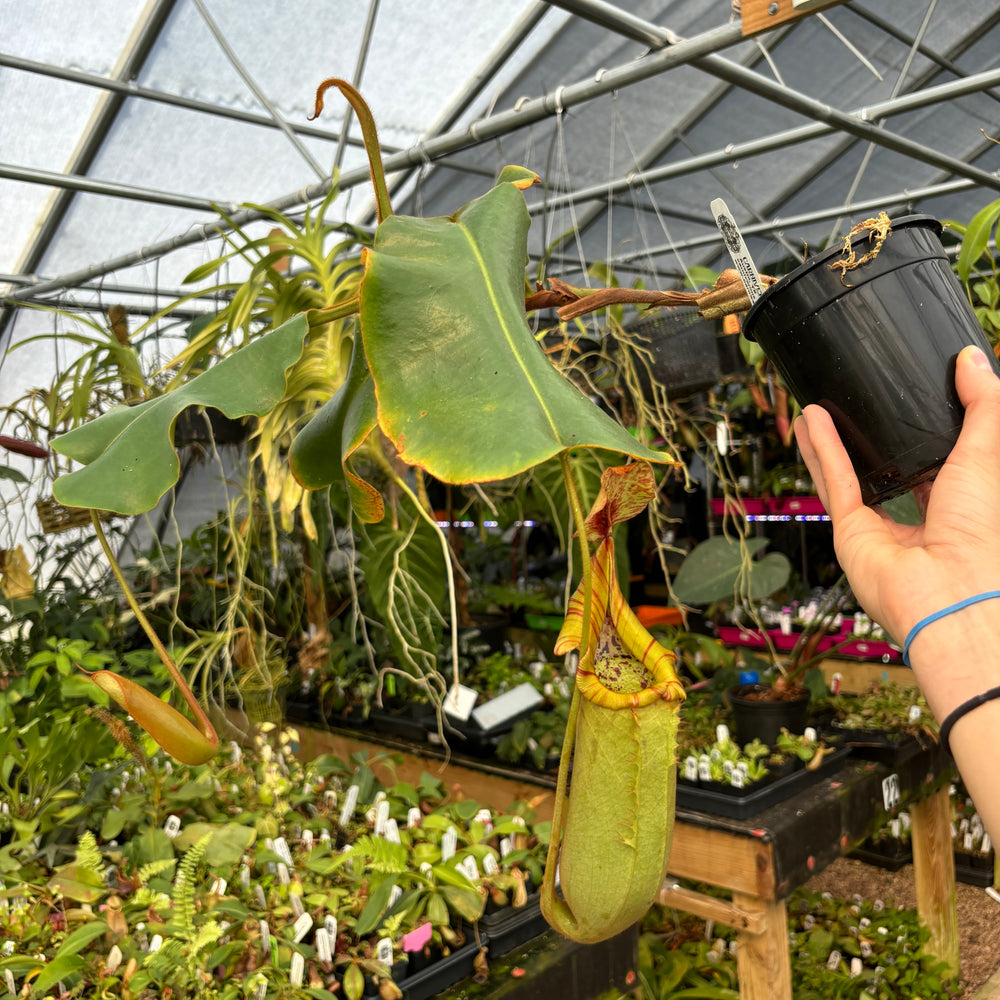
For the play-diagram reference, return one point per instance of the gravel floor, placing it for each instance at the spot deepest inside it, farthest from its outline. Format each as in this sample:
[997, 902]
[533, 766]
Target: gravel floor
[978, 913]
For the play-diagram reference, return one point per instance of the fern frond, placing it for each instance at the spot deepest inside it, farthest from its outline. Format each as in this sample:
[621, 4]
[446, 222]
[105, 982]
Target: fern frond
[154, 868]
[88, 854]
[184, 881]
[380, 855]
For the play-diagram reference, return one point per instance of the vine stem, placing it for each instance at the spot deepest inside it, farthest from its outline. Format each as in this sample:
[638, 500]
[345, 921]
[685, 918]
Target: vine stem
[569, 739]
[204, 723]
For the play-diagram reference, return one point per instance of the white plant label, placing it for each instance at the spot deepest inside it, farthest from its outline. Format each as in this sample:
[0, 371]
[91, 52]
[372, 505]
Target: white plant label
[490, 866]
[296, 969]
[350, 801]
[296, 902]
[391, 831]
[722, 733]
[413, 817]
[383, 951]
[395, 896]
[307, 839]
[301, 927]
[471, 869]
[833, 961]
[691, 768]
[891, 793]
[259, 897]
[218, 887]
[381, 817]
[172, 826]
[283, 851]
[449, 843]
[265, 939]
[330, 925]
[323, 948]
[283, 877]
[111, 963]
[506, 846]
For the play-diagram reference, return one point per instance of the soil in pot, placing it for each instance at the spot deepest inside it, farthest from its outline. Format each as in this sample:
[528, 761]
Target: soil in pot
[760, 711]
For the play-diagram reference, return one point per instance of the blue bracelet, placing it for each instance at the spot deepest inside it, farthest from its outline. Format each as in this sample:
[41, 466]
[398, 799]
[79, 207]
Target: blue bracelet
[975, 599]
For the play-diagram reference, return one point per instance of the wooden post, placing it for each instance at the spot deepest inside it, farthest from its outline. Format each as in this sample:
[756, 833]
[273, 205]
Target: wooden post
[934, 874]
[762, 960]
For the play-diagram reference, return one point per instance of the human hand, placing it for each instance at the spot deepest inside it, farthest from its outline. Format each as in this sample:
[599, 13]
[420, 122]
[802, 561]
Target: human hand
[901, 573]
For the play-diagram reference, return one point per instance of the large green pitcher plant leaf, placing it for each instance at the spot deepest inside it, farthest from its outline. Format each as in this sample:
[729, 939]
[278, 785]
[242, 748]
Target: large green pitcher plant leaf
[128, 455]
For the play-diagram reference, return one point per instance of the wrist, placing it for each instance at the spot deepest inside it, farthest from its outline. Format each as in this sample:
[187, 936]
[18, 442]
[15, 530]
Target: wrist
[947, 656]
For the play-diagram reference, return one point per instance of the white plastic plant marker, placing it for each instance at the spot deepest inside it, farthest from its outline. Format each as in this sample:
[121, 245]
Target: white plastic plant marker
[509, 705]
[383, 951]
[297, 969]
[265, 939]
[172, 826]
[381, 817]
[324, 950]
[301, 927]
[449, 843]
[413, 817]
[350, 801]
[283, 851]
[737, 248]
[460, 701]
[330, 925]
[391, 831]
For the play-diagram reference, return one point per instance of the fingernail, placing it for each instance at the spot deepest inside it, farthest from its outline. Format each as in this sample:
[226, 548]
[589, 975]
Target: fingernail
[978, 358]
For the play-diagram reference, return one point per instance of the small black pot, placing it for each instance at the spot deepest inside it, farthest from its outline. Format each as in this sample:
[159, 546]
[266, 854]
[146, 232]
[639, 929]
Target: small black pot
[876, 347]
[764, 719]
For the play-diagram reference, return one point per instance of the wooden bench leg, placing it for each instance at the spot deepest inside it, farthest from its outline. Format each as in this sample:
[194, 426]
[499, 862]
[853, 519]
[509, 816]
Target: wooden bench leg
[934, 874]
[762, 960]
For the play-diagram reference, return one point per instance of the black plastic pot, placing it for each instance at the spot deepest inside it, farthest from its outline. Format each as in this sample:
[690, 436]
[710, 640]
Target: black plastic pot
[876, 347]
[763, 719]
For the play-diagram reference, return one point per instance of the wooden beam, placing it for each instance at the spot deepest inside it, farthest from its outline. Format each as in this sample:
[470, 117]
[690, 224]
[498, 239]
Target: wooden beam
[934, 875]
[762, 960]
[857, 676]
[729, 860]
[762, 15]
[712, 908]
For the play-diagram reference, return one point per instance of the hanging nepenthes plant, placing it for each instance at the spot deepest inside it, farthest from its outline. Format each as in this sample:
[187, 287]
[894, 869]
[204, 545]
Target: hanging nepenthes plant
[446, 378]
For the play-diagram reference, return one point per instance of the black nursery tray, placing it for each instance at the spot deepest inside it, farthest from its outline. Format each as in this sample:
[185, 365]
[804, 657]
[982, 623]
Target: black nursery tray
[509, 928]
[891, 859]
[876, 744]
[742, 803]
[446, 972]
[974, 869]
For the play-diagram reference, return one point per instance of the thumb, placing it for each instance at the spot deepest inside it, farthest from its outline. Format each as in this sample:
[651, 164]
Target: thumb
[978, 388]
